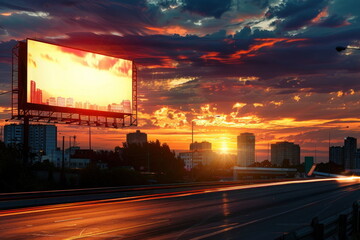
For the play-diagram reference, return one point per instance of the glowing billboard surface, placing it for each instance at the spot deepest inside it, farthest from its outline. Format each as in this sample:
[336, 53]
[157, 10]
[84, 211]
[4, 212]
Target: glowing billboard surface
[67, 77]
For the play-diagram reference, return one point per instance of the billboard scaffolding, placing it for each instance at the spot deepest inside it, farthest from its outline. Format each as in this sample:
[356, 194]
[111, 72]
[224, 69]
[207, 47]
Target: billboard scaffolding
[56, 84]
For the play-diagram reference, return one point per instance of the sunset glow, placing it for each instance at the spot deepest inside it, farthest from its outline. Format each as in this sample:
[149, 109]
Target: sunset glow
[267, 68]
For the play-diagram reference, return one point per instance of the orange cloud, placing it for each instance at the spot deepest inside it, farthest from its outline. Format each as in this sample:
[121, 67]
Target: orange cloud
[323, 14]
[262, 43]
[251, 52]
[169, 30]
[165, 63]
[6, 14]
[211, 56]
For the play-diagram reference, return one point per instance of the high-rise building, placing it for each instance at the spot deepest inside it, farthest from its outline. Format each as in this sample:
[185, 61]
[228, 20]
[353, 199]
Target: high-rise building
[52, 101]
[38, 96]
[32, 91]
[78, 105]
[336, 155]
[116, 107]
[69, 102]
[136, 137]
[285, 153]
[60, 101]
[350, 146]
[42, 138]
[201, 146]
[126, 106]
[87, 105]
[245, 149]
[13, 134]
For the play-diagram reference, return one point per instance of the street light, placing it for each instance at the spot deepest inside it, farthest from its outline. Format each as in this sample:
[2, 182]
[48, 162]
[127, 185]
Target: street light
[341, 48]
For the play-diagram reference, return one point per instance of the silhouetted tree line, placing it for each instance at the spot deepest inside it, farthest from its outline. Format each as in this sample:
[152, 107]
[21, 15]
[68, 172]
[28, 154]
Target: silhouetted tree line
[14, 175]
[265, 164]
[151, 162]
[154, 157]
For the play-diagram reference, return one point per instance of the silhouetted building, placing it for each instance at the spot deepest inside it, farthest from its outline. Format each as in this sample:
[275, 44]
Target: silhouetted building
[350, 147]
[13, 134]
[42, 138]
[136, 137]
[336, 155]
[285, 153]
[201, 146]
[357, 158]
[245, 149]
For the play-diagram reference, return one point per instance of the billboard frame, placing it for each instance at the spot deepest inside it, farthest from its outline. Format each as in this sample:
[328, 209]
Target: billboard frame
[22, 110]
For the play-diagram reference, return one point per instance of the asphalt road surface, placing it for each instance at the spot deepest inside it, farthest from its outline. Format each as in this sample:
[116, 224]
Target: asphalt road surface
[259, 211]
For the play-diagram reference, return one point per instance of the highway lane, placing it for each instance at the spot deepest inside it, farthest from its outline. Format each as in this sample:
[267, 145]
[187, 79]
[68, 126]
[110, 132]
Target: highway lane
[263, 211]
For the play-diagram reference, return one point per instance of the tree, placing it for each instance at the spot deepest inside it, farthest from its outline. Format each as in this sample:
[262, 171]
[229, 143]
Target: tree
[154, 157]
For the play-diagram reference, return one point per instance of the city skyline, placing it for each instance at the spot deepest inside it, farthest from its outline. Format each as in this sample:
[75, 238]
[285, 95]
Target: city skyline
[36, 96]
[267, 67]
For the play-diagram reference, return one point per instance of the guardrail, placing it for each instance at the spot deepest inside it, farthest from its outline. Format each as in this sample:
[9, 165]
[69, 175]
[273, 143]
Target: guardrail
[344, 226]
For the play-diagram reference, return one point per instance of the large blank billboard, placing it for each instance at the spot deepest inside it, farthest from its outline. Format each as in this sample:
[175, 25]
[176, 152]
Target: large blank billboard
[65, 77]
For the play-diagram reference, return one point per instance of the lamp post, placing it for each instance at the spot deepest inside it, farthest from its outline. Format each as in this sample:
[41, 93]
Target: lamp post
[192, 145]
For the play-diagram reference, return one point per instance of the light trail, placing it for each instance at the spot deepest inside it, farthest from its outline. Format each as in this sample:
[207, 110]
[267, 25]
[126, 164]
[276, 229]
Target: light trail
[113, 230]
[86, 204]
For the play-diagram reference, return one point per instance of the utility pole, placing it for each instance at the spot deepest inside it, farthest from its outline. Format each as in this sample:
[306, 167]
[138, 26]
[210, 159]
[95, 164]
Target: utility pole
[62, 174]
[89, 137]
[26, 140]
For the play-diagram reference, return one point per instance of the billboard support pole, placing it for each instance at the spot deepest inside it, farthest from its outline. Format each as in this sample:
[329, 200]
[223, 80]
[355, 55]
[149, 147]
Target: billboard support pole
[134, 116]
[26, 140]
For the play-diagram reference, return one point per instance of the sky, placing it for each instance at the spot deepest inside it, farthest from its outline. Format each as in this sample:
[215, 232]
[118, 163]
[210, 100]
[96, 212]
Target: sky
[263, 66]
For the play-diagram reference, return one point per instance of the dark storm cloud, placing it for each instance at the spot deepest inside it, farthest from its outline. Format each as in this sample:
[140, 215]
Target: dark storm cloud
[295, 14]
[53, 18]
[334, 21]
[212, 59]
[273, 65]
[208, 8]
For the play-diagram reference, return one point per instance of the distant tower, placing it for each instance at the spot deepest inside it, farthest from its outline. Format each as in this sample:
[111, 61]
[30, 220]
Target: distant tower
[350, 145]
[136, 137]
[246, 149]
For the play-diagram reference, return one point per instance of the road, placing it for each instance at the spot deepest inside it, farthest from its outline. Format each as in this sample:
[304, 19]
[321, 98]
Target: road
[259, 211]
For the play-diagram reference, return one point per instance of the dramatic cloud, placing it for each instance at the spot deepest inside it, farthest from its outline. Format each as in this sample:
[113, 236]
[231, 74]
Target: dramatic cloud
[267, 66]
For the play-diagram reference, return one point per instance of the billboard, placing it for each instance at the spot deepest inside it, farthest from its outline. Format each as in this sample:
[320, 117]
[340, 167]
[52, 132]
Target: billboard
[62, 77]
